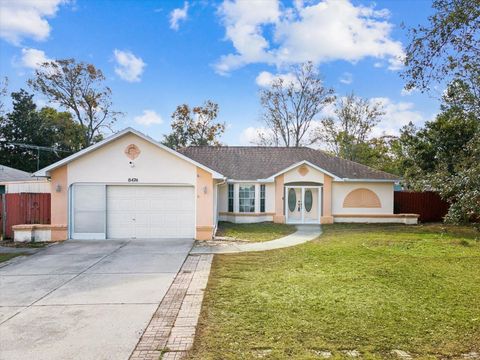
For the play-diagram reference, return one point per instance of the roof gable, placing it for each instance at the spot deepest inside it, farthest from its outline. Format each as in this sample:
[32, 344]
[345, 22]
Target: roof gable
[46, 171]
[304, 162]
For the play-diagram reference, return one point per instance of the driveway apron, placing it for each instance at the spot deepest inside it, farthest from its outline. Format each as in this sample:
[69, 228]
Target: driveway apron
[85, 299]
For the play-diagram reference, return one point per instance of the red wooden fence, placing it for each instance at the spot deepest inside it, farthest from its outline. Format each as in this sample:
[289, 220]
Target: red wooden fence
[23, 208]
[427, 204]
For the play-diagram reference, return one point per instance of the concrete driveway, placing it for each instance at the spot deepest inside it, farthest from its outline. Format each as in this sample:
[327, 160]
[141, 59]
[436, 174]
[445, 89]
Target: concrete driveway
[85, 299]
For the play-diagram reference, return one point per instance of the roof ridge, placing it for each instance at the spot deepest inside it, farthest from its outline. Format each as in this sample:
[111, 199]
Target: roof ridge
[246, 147]
[260, 159]
[356, 163]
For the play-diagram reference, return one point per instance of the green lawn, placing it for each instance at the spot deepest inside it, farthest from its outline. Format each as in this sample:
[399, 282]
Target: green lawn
[11, 243]
[366, 287]
[5, 257]
[265, 231]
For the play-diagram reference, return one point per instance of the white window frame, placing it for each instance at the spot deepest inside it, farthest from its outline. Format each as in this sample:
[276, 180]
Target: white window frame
[255, 198]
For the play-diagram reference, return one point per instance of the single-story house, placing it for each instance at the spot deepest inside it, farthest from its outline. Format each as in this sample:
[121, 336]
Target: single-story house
[131, 186]
[17, 181]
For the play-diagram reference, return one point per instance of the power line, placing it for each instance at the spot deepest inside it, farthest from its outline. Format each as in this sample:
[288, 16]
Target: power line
[38, 148]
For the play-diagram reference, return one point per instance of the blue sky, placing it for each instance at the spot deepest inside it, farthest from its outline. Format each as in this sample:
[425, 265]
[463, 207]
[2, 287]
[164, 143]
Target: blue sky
[176, 52]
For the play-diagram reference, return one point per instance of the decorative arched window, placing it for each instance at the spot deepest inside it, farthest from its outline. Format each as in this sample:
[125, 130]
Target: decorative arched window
[362, 198]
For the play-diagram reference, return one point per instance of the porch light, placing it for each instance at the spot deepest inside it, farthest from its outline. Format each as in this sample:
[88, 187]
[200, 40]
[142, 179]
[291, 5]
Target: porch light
[58, 188]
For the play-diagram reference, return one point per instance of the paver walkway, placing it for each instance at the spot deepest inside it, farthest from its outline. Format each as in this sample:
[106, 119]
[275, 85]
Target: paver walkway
[303, 234]
[171, 331]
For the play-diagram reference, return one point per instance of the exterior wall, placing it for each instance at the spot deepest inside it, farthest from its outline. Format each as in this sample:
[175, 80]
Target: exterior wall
[407, 219]
[361, 198]
[279, 216]
[59, 202]
[222, 204]
[270, 198]
[303, 173]
[236, 216]
[245, 218]
[327, 217]
[27, 186]
[204, 205]
[340, 190]
[109, 164]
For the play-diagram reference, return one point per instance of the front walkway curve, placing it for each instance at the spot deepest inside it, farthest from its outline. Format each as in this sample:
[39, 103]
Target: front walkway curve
[303, 234]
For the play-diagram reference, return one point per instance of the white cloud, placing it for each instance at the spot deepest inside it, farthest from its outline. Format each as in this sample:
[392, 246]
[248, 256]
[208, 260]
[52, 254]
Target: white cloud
[33, 58]
[129, 67]
[148, 117]
[177, 15]
[26, 19]
[397, 115]
[243, 26]
[346, 78]
[265, 78]
[328, 111]
[326, 31]
[251, 135]
[405, 92]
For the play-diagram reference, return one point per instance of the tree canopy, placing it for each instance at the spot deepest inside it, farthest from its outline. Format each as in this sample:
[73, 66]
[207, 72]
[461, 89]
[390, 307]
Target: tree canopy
[195, 126]
[47, 127]
[290, 106]
[348, 132]
[447, 48]
[78, 87]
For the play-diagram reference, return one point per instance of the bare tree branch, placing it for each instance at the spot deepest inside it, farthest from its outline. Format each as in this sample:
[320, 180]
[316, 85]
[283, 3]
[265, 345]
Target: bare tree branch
[354, 120]
[290, 107]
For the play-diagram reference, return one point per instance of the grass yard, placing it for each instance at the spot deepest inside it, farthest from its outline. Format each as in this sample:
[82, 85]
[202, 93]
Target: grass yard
[372, 288]
[5, 257]
[265, 231]
[11, 243]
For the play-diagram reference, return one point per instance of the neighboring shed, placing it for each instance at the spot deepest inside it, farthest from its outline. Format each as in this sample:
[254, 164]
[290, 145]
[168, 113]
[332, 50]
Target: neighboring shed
[18, 181]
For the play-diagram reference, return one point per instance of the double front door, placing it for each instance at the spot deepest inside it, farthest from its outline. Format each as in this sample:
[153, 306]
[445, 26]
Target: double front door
[303, 204]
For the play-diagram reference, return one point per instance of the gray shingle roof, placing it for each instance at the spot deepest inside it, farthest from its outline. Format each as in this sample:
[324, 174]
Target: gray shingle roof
[256, 162]
[11, 174]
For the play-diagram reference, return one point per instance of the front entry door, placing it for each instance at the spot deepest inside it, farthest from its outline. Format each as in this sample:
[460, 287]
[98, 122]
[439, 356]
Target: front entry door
[302, 204]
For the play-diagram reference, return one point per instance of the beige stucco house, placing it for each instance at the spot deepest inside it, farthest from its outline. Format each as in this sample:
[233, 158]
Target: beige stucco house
[130, 186]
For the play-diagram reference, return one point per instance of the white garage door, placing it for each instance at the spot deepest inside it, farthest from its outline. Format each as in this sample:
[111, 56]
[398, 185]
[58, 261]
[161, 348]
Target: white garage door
[150, 212]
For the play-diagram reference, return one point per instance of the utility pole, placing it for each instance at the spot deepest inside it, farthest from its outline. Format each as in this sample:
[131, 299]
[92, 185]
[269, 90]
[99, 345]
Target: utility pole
[38, 148]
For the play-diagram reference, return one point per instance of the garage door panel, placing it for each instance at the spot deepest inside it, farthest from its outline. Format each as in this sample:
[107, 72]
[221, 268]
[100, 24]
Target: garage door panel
[121, 205]
[89, 222]
[88, 211]
[150, 212]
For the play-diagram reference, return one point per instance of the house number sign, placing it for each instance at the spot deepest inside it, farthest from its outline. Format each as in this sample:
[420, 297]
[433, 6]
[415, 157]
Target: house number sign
[130, 180]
